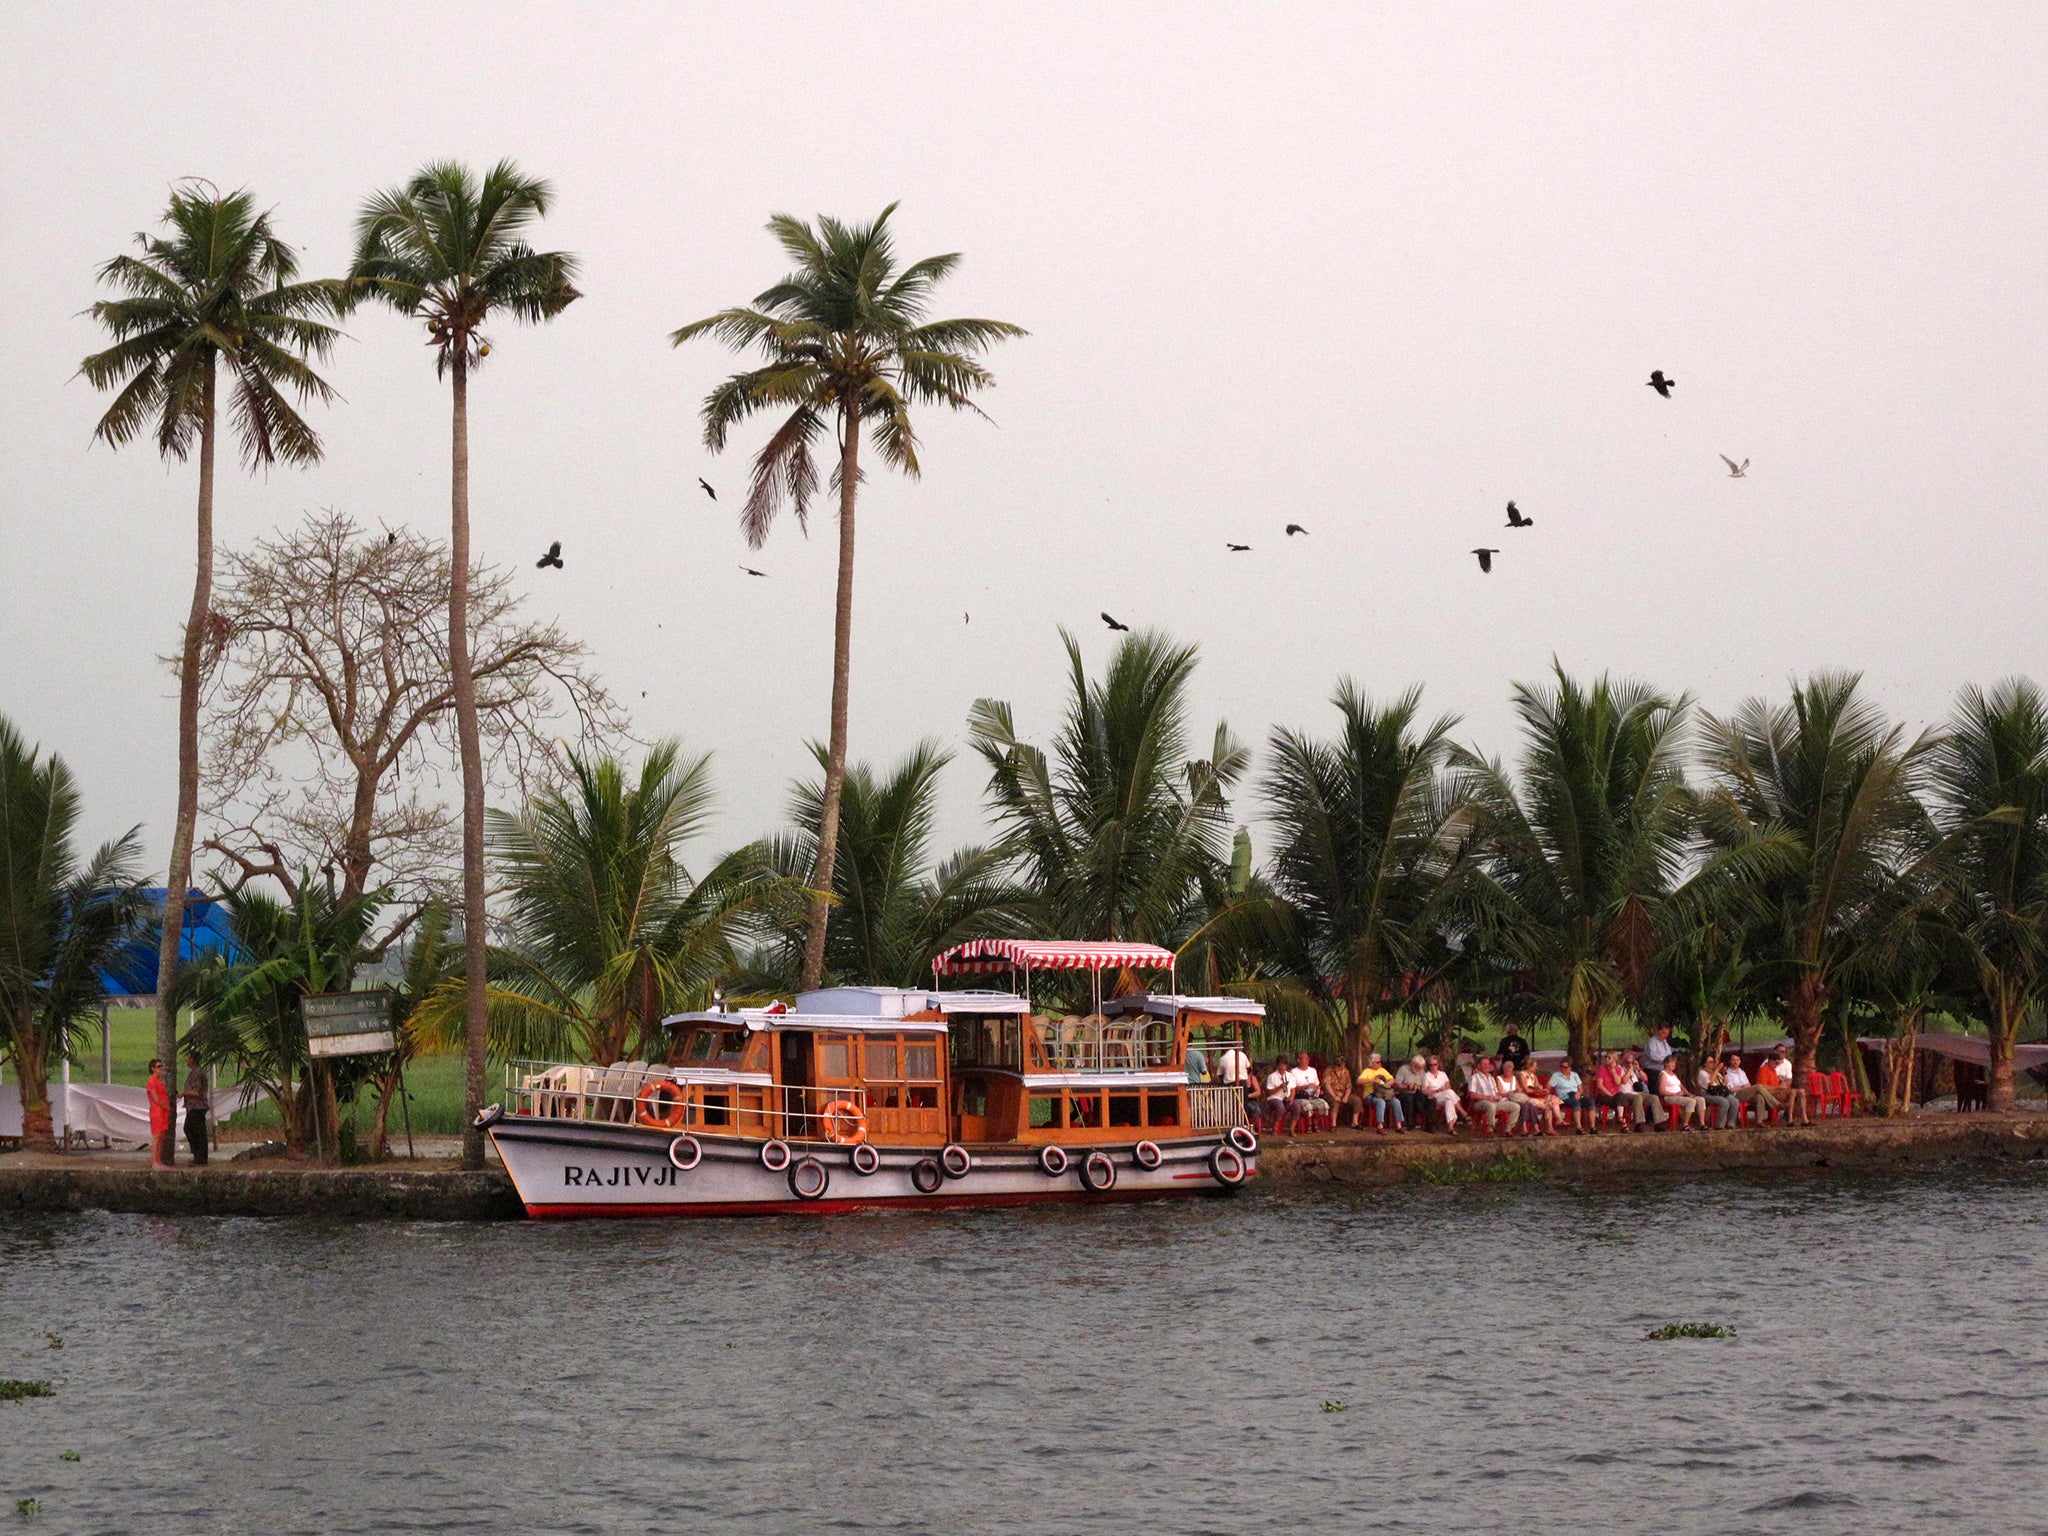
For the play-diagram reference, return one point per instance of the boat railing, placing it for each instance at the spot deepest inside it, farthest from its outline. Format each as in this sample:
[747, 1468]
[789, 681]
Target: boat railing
[707, 1103]
[1216, 1108]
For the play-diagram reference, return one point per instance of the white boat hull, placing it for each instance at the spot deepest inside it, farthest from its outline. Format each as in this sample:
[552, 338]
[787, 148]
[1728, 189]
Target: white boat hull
[566, 1169]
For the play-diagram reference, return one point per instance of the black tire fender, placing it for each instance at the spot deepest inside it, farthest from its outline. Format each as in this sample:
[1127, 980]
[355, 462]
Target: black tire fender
[489, 1116]
[1228, 1166]
[686, 1152]
[1245, 1139]
[865, 1159]
[1053, 1161]
[775, 1155]
[1098, 1173]
[926, 1176]
[955, 1161]
[1146, 1155]
[809, 1179]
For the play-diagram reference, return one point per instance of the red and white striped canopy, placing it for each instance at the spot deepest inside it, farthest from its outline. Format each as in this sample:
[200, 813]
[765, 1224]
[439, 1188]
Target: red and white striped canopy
[1050, 955]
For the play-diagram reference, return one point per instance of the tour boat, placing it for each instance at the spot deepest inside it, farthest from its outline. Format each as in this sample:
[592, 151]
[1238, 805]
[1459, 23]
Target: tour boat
[918, 1098]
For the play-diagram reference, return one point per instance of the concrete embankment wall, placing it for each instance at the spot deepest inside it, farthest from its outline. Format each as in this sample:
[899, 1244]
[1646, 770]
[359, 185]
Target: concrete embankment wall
[1860, 1145]
[51, 1183]
[406, 1193]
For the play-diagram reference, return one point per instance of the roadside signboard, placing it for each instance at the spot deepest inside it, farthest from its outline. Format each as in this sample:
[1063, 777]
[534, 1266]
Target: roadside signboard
[348, 1023]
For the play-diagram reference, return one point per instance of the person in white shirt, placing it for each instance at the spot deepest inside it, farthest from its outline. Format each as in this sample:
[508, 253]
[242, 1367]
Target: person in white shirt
[1306, 1086]
[1692, 1109]
[1408, 1089]
[1712, 1082]
[1233, 1067]
[1778, 1076]
[1436, 1087]
[1277, 1095]
[1491, 1106]
[1760, 1099]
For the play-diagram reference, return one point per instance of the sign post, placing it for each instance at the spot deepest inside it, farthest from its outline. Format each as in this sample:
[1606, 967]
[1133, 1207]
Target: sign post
[348, 1024]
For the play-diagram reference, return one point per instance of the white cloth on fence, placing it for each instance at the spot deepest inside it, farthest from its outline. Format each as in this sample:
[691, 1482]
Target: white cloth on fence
[111, 1110]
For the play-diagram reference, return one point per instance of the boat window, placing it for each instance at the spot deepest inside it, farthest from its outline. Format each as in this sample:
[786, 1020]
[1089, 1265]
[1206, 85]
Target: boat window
[719, 1046]
[974, 1096]
[1123, 1109]
[1162, 1108]
[921, 1060]
[988, 1042]
[835, 1058]
[1084, 1110]
[1045, 1112]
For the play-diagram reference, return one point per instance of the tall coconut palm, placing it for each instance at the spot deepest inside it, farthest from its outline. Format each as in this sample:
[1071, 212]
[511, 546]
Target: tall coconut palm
[1116, 827]
[610, 931]
[62, 922]
[215, 289]
[449, 248]
[1990, 784]
[897, 909]
[847, 347]
[1832, 786]
[1583, 852]
[1373, 832]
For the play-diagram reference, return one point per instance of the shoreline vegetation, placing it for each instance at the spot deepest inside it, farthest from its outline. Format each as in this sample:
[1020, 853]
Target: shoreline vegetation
[1803, 866]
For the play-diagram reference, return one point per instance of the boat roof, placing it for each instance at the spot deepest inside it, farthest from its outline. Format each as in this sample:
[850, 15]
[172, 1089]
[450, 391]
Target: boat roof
[759, 1019]
[1051, 955]
[1169, 1004]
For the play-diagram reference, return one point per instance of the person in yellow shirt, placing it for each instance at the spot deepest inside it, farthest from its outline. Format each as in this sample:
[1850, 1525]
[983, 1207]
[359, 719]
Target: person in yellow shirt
[1376, 1088]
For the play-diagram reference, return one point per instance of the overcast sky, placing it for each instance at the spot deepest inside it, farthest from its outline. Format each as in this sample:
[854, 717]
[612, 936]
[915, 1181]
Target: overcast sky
[1372, 269]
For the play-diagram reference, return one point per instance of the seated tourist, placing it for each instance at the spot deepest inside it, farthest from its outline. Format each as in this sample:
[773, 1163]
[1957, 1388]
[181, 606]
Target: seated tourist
[1543, 1113]
[1436, 1087]
[1573, 1101]
[1408, 1089]
[1376, 1093]
[1712, 1082]
[1760, 1099]
[1639, 1091]
[1340, 1094]
[1279, 1095]
[1305, 1086]
[1776, 1074]
[1692, 1109]
[1488, 1097]
[1607, 1090]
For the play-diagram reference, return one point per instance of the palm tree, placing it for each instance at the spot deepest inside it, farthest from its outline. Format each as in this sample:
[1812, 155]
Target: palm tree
[61, 922]
[1990, 783]
[1581, 858]
[847, 344]
[1831, 787]
[1373, 833]
[450, 249]
[1117, 828]
[216, 288]
[610, 930]
[896, 909]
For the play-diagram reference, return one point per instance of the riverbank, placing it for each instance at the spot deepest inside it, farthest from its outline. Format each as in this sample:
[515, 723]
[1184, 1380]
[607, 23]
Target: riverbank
[437, 1190]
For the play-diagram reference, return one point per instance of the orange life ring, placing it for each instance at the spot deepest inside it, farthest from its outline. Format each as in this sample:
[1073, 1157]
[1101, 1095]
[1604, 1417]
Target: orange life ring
[651, 1101]
[844, 1123]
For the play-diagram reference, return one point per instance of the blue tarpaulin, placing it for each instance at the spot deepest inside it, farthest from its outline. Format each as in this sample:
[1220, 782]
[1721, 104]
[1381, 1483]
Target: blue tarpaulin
[204, 932]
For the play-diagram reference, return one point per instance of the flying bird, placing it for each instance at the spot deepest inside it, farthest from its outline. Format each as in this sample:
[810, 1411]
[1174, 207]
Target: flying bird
[1112, 623]
[1516, 520]
[1662, 385]
[1485, 558]
[552, 558]
[707, 488]
[752, 572]
[1237, 549]
[1294, 528]
[1735, 471]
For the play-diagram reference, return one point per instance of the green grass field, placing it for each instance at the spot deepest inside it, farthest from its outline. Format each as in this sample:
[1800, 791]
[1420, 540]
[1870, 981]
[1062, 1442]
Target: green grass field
[433, 1083]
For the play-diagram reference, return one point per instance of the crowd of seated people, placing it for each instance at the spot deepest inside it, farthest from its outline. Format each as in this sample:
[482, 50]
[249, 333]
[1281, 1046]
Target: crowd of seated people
[1637, 1090]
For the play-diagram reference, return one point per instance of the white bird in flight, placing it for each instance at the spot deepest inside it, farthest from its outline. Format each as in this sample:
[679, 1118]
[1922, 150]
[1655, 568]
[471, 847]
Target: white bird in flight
[1735, 471]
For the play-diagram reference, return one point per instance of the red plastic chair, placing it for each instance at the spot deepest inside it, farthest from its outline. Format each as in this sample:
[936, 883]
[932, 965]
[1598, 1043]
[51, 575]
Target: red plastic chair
[1846, 1098]
[1817, 1096]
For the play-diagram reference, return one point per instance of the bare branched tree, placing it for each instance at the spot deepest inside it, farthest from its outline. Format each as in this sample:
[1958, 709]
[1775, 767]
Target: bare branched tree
[329, 710]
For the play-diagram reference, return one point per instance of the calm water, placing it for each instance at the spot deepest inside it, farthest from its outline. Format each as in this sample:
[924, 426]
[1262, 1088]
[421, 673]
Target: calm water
[1135, 1370]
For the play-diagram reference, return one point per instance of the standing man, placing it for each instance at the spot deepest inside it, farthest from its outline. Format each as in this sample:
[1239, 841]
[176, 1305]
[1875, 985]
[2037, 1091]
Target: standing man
[1657, 1053]
[1514, 1050]
[163, 1140]
[197, 1101]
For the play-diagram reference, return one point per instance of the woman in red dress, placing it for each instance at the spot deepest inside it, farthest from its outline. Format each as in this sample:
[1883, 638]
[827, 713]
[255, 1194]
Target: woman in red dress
[161, 1136]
